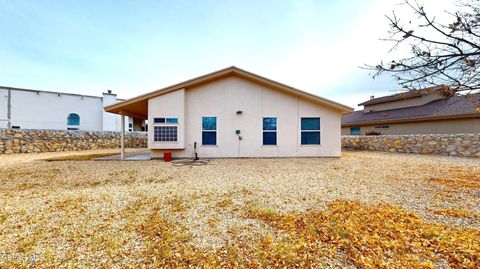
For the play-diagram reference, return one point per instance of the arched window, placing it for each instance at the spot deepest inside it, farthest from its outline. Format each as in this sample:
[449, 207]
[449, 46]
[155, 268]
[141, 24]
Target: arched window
[73, 119]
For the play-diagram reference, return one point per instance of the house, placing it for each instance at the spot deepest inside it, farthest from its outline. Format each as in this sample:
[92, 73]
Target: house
[37, 109]
[434, 110]
[235, 113]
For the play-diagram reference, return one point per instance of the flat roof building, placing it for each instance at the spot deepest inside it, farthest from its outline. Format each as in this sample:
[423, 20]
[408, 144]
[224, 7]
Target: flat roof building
[37, 109]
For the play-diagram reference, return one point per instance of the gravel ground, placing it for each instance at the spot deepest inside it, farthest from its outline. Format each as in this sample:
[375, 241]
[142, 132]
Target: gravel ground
[67, 212]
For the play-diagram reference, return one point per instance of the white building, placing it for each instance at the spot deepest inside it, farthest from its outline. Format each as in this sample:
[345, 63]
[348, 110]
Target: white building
[234, 113]
[35, 109]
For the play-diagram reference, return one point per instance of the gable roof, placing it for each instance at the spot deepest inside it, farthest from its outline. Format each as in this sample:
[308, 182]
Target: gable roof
[457, 106]
[407, 95]
[137, 106]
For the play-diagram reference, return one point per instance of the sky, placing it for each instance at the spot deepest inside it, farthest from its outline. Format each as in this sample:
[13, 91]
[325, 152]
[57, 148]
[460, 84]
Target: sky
[133, 47]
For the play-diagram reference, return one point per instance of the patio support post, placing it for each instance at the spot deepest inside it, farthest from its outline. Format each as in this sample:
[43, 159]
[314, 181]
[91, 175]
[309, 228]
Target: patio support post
[122, 139]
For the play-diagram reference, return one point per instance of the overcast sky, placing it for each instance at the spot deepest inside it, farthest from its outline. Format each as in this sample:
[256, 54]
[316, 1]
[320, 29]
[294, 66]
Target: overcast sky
[132, 47]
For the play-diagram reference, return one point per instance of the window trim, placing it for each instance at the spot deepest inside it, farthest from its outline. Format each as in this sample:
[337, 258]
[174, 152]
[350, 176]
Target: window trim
[270, 131]
[319, 131]
[210, 131]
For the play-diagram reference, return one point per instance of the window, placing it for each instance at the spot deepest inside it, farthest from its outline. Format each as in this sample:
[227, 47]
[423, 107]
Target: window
[172, 120]
[270, 131]
[310, 131]
[165, 120]
[158, 120]
[130, 125]
[355, 131]
[382, 127]
[165, 129]
[15, 127]
[209, 130]
[72, 128]
[73, 119]
[165, 133]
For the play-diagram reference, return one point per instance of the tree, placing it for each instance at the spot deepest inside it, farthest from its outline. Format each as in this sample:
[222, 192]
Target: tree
[440, 54]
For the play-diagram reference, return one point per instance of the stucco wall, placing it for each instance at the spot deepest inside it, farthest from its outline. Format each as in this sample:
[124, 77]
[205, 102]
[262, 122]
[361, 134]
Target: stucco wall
[452, 126]
[223, 98]
[23, 141]
[49, 110]
[170, 105]
[3, 108]
[111, 122]
[467, 145]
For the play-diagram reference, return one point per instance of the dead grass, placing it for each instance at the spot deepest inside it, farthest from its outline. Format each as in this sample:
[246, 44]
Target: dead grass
[364, 210]
[378, 236]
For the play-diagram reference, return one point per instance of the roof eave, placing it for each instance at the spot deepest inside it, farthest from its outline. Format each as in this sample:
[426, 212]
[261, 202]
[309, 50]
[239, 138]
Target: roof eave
[342, 109]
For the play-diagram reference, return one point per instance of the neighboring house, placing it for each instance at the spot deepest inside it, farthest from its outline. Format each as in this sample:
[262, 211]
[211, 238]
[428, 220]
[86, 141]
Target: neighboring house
[234, 113]
[35, 109]
[435, 110]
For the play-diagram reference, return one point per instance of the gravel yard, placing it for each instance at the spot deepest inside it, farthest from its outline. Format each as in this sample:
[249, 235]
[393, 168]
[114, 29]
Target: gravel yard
[379, 209]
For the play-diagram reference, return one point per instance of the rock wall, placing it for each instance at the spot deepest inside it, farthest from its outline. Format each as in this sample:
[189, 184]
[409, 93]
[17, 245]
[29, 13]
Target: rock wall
[23, 141]
[466, 145]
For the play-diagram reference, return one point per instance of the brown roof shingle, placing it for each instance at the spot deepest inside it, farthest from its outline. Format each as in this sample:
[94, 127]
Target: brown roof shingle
[457, 105]
[404, 95]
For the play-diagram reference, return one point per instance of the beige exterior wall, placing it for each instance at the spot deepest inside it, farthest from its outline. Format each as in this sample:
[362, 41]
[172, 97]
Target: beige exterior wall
[170, 105]
[452, 126]
[418, 101]
[223, 98]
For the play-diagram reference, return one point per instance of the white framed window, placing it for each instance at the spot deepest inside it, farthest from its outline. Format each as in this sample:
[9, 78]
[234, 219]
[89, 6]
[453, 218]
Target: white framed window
[165, 129]
[310, 131]
[209, 131]
[269, 131]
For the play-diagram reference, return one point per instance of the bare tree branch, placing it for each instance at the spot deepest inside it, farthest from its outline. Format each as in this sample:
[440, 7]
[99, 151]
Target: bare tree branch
[439, 54]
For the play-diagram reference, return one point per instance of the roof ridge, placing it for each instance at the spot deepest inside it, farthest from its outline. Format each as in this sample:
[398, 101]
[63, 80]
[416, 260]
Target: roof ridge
[232, 70]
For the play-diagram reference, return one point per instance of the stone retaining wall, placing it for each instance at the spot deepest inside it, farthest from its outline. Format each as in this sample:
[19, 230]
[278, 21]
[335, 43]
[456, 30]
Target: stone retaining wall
[22, 141]
[466, 145]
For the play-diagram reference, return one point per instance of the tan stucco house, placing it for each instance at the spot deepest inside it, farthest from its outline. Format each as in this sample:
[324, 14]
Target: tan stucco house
[235, 113]
[435, 110]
